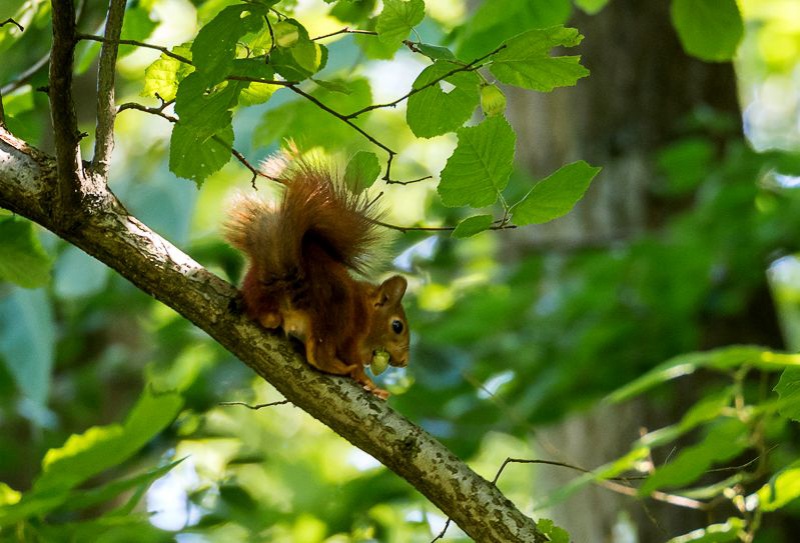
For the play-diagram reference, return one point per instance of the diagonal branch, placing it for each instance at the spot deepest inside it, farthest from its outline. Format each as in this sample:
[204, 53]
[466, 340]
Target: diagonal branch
[159, 268]
[106, 70]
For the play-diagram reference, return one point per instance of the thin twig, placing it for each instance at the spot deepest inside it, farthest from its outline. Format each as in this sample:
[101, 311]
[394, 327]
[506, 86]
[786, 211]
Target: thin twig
[159, 111]
[346, 30]
[137, 43]
[405, 229]
[257, 406]
[106, 70]
[474, 65]
[393, 182]
[12, 21]
[260, 80]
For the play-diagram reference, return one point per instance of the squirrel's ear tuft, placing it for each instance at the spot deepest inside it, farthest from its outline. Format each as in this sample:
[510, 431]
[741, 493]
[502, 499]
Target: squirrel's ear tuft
[391, 291]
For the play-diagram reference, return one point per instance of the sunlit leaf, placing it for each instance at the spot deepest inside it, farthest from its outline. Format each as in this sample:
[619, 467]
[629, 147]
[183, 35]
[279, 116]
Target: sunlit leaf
[555, 195]
[525, 61]
[398, 18]
[591, 6]
[480, 166]
[714, 533]
[782, 488]
[434, 111]
[164, 75]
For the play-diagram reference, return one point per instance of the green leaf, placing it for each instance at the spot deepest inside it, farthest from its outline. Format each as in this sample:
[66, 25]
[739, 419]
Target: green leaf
[479, 168]
[205, 113]
[686, 164]
[310, 126]
[214, 48]
[782, 488]
[526, 62]
[554, 533]
[398, 18]
[493, 101]
[714, 533]
[723, 359]
[164, 75]
[27, 340]
[788, 389]
[435, 52]
[555, 195]
[432, 111]
[362, 171]
[707, 409]
[591, 6]
[473, 225]
[23, 260]
[710, 30]
[101, 447]
[195, 158]
[252, 92]
[725, 441]
[82, 499]
[498, 20]
[303, 59]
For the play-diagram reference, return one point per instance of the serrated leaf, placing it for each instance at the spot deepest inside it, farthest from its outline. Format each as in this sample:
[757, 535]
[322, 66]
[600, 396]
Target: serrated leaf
[362, 171]
[23, 259]
[398, 18]
[164, 75]
[526, 62]
[473, 225]
[27, 340]
[214, 48]
[725, 441]
[714, 533]
[432, 111]
[710, 30]
[555, 195]
[195, 158]
[205, 113]
[479, 168]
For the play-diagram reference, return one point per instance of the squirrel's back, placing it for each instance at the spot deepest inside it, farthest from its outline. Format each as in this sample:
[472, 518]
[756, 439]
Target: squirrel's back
[317, 212]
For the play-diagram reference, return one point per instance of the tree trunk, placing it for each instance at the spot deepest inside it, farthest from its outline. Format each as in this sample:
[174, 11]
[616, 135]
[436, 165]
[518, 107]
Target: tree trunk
[642, 85]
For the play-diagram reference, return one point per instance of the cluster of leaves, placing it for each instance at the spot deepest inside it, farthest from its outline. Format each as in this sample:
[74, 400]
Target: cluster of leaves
[247, 53]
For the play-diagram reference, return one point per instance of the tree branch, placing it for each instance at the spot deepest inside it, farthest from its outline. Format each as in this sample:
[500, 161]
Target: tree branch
[157, 267]
[118, 41]
[62, 113]
[106, 70]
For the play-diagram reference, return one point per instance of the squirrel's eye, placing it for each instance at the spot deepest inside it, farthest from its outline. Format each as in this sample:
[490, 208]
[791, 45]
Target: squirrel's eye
[397, 326]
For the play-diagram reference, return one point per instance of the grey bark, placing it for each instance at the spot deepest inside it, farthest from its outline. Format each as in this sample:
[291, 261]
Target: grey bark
[642, 85]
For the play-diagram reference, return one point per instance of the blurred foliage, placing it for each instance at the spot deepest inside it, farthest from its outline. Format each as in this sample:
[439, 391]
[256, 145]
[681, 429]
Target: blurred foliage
[500, 345]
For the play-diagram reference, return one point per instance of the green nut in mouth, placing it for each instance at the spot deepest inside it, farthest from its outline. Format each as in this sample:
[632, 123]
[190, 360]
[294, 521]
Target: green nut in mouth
[380, 361]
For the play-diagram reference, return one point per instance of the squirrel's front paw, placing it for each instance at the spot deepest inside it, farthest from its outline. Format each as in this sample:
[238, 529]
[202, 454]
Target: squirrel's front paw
[379, 392]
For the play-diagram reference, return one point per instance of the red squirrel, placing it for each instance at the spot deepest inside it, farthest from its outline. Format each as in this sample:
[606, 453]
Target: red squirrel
[303, 253]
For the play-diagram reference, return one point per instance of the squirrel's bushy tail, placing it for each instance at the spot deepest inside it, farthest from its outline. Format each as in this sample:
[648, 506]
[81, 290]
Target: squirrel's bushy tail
[316, 210]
